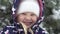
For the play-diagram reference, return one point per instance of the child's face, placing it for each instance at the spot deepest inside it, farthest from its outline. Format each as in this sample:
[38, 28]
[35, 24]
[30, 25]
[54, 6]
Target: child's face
[27, 18]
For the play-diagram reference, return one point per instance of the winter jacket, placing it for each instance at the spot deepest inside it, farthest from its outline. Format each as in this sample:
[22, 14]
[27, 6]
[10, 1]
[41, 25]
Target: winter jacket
[18, 29]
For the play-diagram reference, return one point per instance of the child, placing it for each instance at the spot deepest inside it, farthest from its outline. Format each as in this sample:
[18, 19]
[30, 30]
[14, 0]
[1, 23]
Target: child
[26, 18]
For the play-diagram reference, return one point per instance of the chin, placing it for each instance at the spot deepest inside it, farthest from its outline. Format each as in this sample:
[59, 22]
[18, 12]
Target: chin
[28, 26]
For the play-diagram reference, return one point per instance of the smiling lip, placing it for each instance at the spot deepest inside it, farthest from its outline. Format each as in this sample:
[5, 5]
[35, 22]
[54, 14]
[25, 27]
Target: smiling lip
[27, 23]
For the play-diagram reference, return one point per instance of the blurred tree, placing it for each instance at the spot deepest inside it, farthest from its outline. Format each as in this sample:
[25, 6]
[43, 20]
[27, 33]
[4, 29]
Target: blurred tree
[5, 12]
[50, 22]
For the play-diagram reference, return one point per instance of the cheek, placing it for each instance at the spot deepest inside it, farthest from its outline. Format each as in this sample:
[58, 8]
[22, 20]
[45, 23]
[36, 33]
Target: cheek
[20, 18]
[34, 19]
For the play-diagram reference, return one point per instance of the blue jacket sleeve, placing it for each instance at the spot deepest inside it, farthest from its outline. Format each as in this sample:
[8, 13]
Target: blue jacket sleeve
[8, 30]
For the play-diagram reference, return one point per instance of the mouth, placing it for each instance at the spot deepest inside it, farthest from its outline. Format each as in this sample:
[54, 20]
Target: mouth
[28, 23]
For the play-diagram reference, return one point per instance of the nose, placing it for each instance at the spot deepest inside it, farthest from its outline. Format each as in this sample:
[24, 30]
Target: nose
[28, 18]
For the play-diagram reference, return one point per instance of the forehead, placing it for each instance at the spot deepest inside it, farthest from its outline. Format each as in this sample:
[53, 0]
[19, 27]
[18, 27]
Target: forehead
[29, 13]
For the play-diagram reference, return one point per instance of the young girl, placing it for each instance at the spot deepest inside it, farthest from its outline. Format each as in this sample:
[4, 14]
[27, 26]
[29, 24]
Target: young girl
[25, 19]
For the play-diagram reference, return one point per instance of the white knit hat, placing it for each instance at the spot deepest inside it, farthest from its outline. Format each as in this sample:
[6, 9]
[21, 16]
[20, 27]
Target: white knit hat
[29, 6]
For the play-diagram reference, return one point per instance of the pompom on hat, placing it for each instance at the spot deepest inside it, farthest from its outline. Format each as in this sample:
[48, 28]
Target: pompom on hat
[29, 6]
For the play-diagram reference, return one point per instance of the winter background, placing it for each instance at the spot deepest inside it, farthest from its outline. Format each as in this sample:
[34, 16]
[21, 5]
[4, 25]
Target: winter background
[51, 22]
